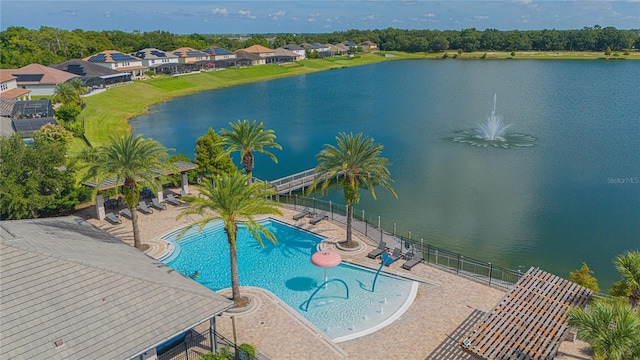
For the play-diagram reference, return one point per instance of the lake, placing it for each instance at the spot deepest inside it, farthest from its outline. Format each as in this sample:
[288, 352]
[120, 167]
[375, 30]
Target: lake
[573, 197]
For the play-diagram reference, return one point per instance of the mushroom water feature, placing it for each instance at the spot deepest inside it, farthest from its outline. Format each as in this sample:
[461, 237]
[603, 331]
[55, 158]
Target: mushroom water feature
[325, 259]
[493, 133]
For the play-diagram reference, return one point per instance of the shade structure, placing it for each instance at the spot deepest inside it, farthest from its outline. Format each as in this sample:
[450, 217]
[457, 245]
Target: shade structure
[326, 258]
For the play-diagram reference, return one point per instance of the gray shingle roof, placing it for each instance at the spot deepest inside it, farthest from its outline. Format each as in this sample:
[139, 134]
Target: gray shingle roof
[63, 278]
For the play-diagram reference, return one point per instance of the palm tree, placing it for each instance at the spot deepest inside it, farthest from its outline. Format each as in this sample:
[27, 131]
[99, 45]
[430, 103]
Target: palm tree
[233, 202]
[611, 327]
[246, 137]
[357, 163]
[135, 161]
[66, 93]
[628, 266]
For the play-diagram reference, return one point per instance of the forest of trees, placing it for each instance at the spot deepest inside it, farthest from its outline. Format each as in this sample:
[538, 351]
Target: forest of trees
[20, 46]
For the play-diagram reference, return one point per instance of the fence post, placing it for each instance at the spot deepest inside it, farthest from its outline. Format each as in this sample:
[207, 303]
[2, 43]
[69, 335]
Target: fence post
[331, 209]
[380, 234]
[490, 272]
[460, 263]
[213, 335]
[186, 350]
[394, 229]
[378, 221]
[409, 236]
[295, 202]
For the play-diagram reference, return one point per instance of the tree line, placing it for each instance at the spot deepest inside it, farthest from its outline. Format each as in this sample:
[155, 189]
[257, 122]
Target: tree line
[20, 46]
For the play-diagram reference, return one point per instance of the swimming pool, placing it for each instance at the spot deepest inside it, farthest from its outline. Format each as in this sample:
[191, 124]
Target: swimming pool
[286, 270]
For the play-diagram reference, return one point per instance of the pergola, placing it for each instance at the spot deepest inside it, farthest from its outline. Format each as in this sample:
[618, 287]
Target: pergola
[529, 322]
[110, 183]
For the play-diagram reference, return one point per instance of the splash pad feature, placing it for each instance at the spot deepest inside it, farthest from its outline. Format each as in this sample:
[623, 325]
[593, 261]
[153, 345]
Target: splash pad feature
[325, 259]
[493, 133]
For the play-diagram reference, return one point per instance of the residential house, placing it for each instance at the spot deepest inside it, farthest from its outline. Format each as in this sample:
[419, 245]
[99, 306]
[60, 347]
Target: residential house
[9, 87]
[368, 46]
[245, 58]
[320, 49]
[263, 52]
[221, 58]
[93, 76]
[298, 49]
[190, 56]
[161, 62]
[39, 79]
[73, 291]
[118, 61]
[284, 56]
[342, 49]
[349, 44]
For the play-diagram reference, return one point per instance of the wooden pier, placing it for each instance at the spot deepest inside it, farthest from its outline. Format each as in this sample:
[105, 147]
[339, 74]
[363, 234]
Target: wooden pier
[295, 182]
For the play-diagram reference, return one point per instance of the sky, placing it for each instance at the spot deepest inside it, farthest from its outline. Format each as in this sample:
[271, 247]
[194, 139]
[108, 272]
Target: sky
[321, 16]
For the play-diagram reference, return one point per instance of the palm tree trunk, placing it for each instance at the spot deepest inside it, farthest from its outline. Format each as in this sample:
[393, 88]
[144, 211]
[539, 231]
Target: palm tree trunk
[349, 221]
[235, 280]
[136, 229]
[248, 163]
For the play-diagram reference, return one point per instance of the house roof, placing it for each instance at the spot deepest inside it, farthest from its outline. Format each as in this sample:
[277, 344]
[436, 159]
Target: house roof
[153, 53]
[529, 322]
[5, 76]
[257, 49]
[293, 47]
[14, 93]
[243, 54]
[110, 56]
[213, 50]
[64, 280]
[342, 47]
[284, 52]
[368, 43]
[36, 74]
[84, 69]
[349, 43]
[6, 106]
[189, 52]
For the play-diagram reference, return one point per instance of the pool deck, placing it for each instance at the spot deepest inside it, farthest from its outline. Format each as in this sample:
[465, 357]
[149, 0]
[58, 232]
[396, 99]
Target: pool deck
[445, 308]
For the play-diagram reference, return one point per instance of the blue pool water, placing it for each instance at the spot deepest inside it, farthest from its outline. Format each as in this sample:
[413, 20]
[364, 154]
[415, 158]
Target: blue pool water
[285, 269]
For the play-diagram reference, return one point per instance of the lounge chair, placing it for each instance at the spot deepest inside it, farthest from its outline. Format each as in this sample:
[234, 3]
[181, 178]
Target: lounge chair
[382, 246]
[173, 201]
[142, 206]
[301, 214]
[155, 203]
[390, 259]
[416, 259]
[318, 218]
[113, 218]
[127, 213]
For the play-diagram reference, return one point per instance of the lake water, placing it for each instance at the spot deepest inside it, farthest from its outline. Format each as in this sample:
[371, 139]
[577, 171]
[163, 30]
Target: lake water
[572, 197]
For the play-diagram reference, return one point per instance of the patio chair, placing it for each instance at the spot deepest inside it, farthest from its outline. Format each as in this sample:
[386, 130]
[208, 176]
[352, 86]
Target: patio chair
[113, 218]
[155, 203]
[390, 259]
[173, 201]
[127, 213]
[382, 246]
[143, 208]
[321, 216]
[416, 259]
[301, 214]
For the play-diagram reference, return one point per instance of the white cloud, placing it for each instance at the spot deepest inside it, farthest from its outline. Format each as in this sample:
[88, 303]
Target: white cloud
[311, 19]
[246, 14]
[314, 15]
[397, 21]
[370, 17]
[477, 17]
[430, 15]
[219, 12]
[523, 2]
[69, 13]
[107, 14]
[279, 13]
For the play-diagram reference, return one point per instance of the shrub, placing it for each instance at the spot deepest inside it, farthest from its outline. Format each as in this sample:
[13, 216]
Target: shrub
[212, 356]
[584, 277]
[627, 52]
[608, 51]
[249, 349]
[513, 53]
[445, 56]
[484, 56]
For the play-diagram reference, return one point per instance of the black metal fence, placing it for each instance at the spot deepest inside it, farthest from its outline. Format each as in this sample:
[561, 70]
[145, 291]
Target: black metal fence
[375, 229]
[197, 344]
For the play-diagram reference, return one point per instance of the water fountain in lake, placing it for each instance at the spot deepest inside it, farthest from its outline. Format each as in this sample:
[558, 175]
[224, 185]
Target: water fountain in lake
[493, 133]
